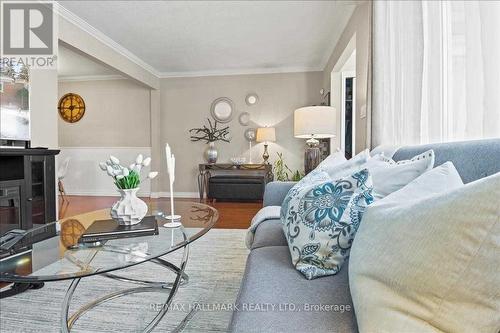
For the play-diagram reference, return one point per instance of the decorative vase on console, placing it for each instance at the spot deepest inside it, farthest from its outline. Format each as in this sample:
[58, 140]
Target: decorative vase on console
[210, 134]
[129, 209]
[211, 153]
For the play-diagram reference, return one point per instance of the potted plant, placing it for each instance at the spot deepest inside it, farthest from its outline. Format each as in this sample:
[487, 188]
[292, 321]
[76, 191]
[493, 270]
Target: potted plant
[129, 210]
[281, 170]
[210, 135]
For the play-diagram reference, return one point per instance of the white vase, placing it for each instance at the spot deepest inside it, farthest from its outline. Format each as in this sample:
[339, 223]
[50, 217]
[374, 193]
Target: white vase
[129, 210]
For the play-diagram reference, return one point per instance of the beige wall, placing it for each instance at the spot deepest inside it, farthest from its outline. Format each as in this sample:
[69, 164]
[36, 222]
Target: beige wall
[117, 115]
[357, 27]
[185, 104]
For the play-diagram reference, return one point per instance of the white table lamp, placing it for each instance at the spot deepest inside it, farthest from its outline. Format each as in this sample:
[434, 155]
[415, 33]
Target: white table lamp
[313, 123]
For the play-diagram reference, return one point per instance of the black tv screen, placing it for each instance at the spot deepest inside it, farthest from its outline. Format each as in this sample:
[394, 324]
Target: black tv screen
[14, 103]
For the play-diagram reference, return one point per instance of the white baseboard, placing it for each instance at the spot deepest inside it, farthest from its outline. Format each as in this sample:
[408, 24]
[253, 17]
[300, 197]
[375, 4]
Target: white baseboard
[176, 194]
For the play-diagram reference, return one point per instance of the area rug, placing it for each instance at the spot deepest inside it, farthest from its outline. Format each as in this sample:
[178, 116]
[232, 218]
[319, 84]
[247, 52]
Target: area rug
[215, 268]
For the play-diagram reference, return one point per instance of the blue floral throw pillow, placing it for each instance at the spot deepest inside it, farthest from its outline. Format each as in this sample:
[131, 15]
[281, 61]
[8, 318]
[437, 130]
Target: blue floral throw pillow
[321, 219]
[314, 177]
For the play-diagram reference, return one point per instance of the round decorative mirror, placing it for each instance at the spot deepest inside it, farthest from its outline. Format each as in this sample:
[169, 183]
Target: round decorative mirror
[244, 118]
[222, 109]
[251, 134]
[252, 99]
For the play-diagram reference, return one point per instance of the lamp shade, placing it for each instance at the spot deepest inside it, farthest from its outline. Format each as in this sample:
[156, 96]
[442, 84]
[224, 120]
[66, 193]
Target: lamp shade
[314, 121]
[266, 134]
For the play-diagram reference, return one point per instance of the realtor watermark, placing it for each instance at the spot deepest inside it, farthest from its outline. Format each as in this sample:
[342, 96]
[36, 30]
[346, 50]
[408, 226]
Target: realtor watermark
[28, 34]
[254, 307]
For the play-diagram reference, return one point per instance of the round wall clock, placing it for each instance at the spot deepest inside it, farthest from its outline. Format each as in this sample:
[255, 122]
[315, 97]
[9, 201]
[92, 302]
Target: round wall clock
[71, 107]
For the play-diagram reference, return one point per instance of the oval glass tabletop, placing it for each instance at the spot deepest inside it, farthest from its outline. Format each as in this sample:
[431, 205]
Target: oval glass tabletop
[62, 257]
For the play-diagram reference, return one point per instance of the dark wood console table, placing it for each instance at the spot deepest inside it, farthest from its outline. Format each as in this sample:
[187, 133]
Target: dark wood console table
[208, 170]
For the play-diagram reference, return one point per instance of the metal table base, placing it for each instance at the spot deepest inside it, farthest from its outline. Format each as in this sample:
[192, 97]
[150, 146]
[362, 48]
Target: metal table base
[169, 288]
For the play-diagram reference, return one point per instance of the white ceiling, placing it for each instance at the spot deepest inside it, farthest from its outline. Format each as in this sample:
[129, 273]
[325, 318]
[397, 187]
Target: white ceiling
[72, 65]
[184, 38]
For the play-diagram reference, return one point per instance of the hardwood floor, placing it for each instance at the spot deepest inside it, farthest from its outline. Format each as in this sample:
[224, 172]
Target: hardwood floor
[232, 215]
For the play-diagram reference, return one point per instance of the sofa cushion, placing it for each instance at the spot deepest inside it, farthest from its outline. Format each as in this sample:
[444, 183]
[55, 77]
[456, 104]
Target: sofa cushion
[275, 192]
[335, 161]
[320, 222]
[438, 180]
[270, 279]
[430, 263]
[389, 176]
[473, 159]
[332, 161]
[269, 233]
[352, 165]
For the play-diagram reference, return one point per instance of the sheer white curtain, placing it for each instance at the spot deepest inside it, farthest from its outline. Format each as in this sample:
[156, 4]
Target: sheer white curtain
[436, 71]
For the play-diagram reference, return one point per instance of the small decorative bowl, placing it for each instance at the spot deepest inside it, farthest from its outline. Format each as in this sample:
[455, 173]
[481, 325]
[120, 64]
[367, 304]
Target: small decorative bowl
[238, 160]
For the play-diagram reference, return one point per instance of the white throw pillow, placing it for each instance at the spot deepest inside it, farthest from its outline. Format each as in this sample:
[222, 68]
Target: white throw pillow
[430, 263]
[355, 164]
[389, 176]
[336, 167]
[438, 180]
[332, 160]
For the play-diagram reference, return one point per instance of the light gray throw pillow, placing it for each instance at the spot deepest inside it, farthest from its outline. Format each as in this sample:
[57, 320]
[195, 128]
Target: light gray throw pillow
[427, 258]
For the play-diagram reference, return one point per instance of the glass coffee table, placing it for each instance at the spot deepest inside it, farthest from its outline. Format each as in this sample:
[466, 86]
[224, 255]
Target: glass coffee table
[61, 257]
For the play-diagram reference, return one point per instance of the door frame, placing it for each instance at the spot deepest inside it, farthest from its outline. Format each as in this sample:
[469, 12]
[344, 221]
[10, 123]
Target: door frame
[345, 75]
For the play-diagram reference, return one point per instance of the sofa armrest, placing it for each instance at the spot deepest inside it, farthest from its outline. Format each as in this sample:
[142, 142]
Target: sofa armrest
[275, 192]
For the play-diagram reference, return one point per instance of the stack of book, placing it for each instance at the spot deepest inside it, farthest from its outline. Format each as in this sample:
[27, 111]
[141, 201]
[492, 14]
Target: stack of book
[103, 230]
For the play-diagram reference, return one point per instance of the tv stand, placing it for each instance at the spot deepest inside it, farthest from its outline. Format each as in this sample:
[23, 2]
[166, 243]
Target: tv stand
[27, 188]
[27, 198]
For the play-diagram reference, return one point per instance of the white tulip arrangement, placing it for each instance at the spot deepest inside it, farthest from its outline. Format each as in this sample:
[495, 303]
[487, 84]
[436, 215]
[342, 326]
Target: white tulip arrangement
[127, 177]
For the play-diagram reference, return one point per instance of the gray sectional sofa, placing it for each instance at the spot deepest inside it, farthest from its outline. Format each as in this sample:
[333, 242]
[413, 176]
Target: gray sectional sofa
[274, 297]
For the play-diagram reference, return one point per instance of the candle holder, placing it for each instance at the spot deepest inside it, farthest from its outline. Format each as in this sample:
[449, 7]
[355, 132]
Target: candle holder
[173, 218]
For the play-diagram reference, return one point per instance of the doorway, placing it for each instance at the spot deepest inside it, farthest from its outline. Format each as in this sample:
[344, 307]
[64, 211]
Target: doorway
[343, 94]
[347, 115]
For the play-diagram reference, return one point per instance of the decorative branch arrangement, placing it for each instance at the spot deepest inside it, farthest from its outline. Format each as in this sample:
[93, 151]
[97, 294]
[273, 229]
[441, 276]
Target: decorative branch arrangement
[211, 133]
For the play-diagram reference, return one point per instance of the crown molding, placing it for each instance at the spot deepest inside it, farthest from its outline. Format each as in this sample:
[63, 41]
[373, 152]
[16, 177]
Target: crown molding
[253, 71]
[85, 26]
[75, 78]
